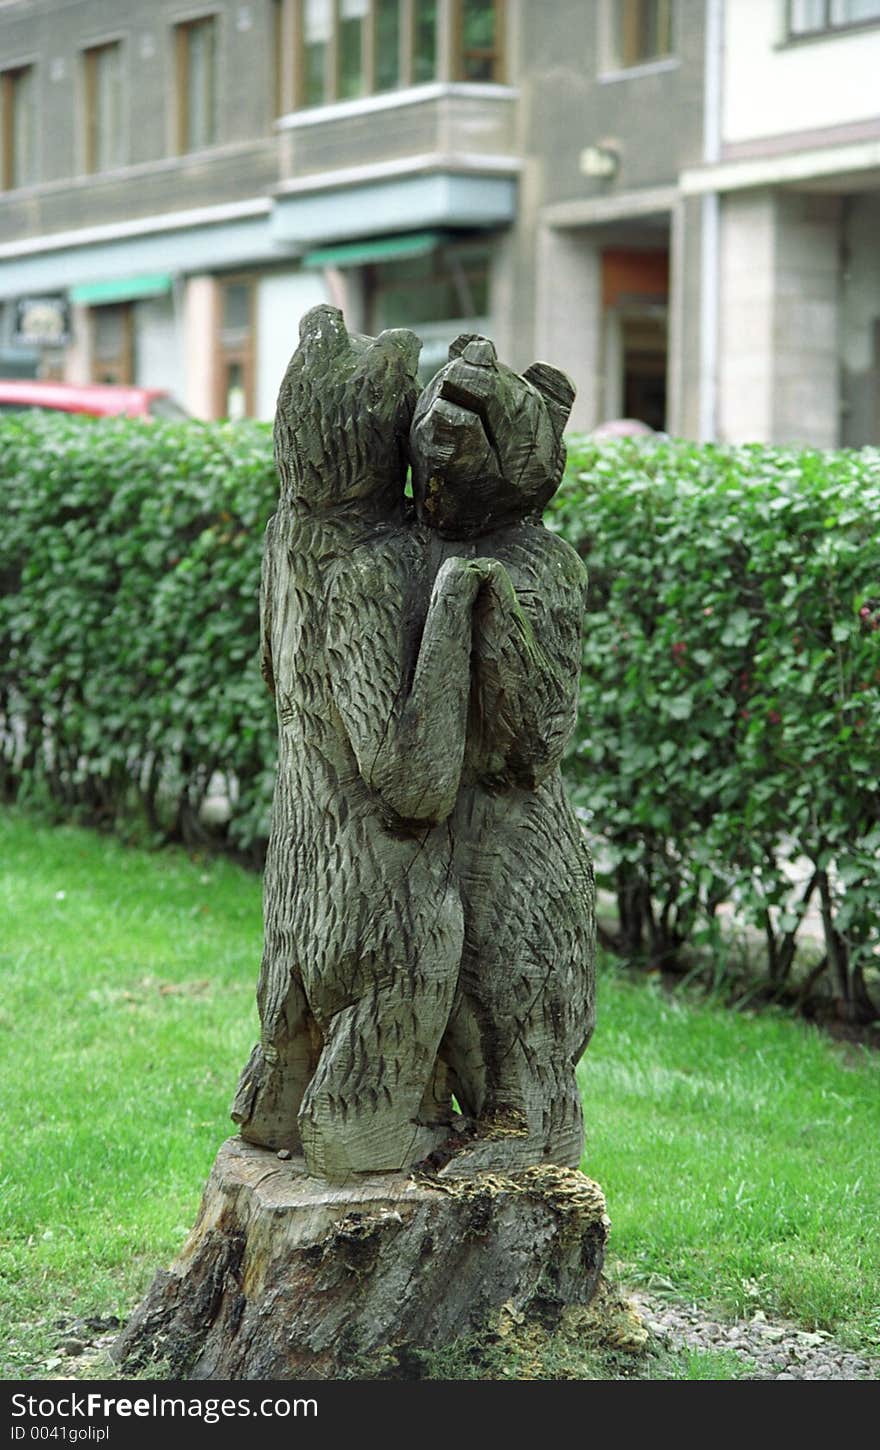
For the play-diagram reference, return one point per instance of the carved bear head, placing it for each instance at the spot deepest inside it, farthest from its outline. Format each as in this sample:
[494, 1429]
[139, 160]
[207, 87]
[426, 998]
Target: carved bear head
[344, 412]
[486, 442]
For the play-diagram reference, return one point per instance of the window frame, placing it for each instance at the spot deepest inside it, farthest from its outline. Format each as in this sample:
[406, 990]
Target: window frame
[401, 68]
[240, 347]
[121, 364]
[408, 37]
[300, 101]
[278, 42]
[462, 264]
[90, 148]
[290, 25]
[827, 28]
[624, 16]
[497, 54]
[456, 262]
[10, 75]
[367, 23]
[183, 30]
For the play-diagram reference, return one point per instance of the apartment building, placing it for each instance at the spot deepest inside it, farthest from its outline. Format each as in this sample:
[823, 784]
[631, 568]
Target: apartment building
[676, 200]
[790, 201]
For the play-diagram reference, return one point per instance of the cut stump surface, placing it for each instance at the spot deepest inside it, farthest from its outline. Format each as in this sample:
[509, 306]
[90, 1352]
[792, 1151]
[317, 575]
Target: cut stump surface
[285, 1276]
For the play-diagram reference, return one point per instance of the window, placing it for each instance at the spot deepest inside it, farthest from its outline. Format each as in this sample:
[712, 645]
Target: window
[103, 107]
[479, 41]
[449, 282]
[235, 350]
[635, 304]
[644, 31]
[317, 32]
[351, 48]
[17, 128]
[278, 98]
[197, 84]
[423, 57]
[353, 16]
[387, 43]
[809, 17]
[440, 294]
[112, 344]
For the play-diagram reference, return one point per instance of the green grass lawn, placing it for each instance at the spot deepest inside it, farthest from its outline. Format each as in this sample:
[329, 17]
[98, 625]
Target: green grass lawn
[739, 1154]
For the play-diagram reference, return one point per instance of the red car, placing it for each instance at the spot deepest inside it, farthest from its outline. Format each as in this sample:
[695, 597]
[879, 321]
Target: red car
[101, 400]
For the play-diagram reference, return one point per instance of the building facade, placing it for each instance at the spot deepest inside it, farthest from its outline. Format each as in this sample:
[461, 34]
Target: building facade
[676, 200]
[792, 185]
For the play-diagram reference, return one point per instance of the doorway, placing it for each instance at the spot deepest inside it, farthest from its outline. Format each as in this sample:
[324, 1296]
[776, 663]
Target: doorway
[635, 296]
[644, 363]
[112, 344]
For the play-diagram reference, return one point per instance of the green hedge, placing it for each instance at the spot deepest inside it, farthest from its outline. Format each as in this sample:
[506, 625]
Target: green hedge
[730, 722]
[129, 622]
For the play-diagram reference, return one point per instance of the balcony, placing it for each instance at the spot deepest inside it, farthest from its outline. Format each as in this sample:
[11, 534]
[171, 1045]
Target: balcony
[218, 175]
[466, 120]
[436, 155]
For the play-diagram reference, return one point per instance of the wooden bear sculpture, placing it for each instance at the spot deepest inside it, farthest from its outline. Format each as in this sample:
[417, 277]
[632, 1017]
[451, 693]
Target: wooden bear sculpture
[363, 924]
[428, 899]
[487, 455]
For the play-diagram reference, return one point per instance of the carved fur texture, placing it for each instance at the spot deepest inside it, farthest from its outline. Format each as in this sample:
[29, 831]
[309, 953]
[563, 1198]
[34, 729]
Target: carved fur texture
[428, 901]
[487, 454]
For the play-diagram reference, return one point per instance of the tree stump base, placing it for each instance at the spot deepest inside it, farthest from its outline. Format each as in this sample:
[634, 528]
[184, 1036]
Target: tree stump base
[290, 1277]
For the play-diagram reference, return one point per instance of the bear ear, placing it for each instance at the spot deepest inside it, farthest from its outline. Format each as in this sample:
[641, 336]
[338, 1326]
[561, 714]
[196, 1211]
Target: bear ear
[401, 340]
[457, 348]
[555, 387]
[325, 326]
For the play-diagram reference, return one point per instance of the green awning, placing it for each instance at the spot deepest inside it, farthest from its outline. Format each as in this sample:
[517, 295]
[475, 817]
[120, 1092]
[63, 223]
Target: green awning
[121, 289]
[374, 249]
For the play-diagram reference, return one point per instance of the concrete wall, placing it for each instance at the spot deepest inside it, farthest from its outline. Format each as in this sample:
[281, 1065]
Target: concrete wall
[778, 377]
[571, 100]
[200, 313]
[806, 398]
[771, 88]
[747, 251]
[159, 346]
[860, 321]
[685, 342]
[569, 315]
[78, 353]
[282, 298]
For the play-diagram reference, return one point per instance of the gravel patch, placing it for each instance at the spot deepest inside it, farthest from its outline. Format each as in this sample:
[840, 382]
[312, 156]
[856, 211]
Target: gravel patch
[768, 1350]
